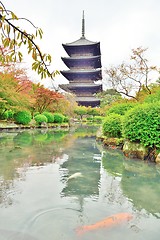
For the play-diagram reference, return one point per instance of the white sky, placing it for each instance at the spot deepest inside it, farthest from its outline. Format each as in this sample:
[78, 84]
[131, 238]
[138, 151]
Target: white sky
[119, 25]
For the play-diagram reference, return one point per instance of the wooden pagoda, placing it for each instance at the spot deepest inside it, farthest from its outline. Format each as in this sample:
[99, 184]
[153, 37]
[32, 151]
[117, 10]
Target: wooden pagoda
[84, 63]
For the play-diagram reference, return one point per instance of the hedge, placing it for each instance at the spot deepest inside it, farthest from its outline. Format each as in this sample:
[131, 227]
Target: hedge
[40, 118]
[58, 118]
[112, 125]
[142, 124]
[121, 108]
[49, 116]
[22, 117]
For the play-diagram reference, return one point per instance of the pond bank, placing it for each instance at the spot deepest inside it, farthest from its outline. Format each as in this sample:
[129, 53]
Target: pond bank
[132, 150]
[6, 126]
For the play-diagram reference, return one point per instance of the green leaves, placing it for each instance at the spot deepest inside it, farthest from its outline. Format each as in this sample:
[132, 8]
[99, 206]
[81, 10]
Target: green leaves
[112, 126]
[39, 33]
[14, 16]
[13, 38]
[142, 124]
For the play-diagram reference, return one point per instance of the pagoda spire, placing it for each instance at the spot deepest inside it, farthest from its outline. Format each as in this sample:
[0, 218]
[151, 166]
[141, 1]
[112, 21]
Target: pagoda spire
[83, 26]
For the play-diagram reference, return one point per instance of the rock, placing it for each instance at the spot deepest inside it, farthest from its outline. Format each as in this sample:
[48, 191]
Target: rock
[135, 150]
[158, 158]
[44, 124]
[113, 142]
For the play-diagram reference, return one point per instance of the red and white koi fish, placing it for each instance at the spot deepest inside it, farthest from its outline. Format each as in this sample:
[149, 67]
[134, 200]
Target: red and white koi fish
[106, 223]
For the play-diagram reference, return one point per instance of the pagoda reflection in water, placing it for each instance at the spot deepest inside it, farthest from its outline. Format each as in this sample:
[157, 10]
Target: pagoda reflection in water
[86, 159]
[84, 63]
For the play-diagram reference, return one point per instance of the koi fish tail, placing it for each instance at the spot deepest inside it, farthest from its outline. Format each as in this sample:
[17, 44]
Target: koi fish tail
[81, 230]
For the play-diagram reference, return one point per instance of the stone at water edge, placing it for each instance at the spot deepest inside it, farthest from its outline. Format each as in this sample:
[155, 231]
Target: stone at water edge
[134, 150]
[158, 158]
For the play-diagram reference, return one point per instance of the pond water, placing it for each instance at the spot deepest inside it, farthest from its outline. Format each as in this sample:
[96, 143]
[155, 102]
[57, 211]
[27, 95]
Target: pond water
[41, 199]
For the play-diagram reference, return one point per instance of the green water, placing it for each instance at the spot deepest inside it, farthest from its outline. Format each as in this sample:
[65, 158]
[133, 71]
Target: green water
[38, 201]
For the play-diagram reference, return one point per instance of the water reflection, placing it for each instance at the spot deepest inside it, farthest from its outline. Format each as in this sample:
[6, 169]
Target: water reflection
[23, 149]
[140, 181]
[38, 197]
[82, 158]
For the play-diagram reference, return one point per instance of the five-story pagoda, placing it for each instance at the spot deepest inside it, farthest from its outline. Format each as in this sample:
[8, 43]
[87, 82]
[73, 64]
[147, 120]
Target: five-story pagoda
[84, 63]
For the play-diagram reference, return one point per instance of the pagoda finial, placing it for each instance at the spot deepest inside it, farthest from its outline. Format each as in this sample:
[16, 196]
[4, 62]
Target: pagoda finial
[83, 26]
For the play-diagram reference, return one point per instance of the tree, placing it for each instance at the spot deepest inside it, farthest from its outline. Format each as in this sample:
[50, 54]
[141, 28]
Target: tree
[66, 105]
[93, 111]
[13, 37]
[81, 111]
[44, 98]
[9, 92]
[109, 96]
[130, 78]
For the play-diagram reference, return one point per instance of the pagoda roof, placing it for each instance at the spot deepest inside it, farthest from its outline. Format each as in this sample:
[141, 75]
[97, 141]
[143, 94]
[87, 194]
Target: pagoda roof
[82, 87]
[76, 75]
[82, 84]
[83, 62]
[88, 101]
[82, 57]
[81, 42]
[82, 90]
[82, 49]
[82, 46]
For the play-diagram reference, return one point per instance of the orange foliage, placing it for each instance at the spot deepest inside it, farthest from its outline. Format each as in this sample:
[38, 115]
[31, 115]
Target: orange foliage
[44, 98]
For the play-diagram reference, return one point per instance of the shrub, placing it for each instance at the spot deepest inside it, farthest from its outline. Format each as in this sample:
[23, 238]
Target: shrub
[36, 113]
[10, 114]
[4, 115]
[121, 108]
[112, 126]
[40, 118]
[66, 119]
[22, 117]
[49, 116]
[89, 119]
[58, 118]
[152, 98]
[98, 119]
[142, 124]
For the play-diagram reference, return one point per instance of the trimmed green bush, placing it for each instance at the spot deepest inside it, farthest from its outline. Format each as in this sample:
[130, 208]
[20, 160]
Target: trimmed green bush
[40, 118]
[49, 116]
[112, 125]
[58, 118]
[66, 119]
[121, 108]
[142, 124]
[22, 117]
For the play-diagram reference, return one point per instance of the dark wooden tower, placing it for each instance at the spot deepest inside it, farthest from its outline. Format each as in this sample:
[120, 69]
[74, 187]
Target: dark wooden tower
[84, 63]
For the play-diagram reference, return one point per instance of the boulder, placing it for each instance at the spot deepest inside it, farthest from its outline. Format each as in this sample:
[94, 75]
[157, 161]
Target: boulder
[158, 158]
[134, 150]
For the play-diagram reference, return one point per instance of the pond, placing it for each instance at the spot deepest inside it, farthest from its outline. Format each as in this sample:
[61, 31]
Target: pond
[64, 185]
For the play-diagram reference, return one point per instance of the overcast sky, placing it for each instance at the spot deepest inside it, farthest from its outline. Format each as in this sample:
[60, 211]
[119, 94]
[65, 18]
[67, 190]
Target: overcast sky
[119, 25]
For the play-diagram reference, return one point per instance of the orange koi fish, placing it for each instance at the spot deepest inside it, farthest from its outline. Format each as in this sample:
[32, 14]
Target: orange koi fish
[106, 223]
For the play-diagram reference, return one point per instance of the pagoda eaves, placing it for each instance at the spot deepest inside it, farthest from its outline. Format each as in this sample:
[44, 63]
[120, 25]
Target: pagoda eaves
[80, 75]
[93, 62]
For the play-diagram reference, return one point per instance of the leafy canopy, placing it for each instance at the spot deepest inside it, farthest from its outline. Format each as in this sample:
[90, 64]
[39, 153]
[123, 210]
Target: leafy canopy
[13, 38]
